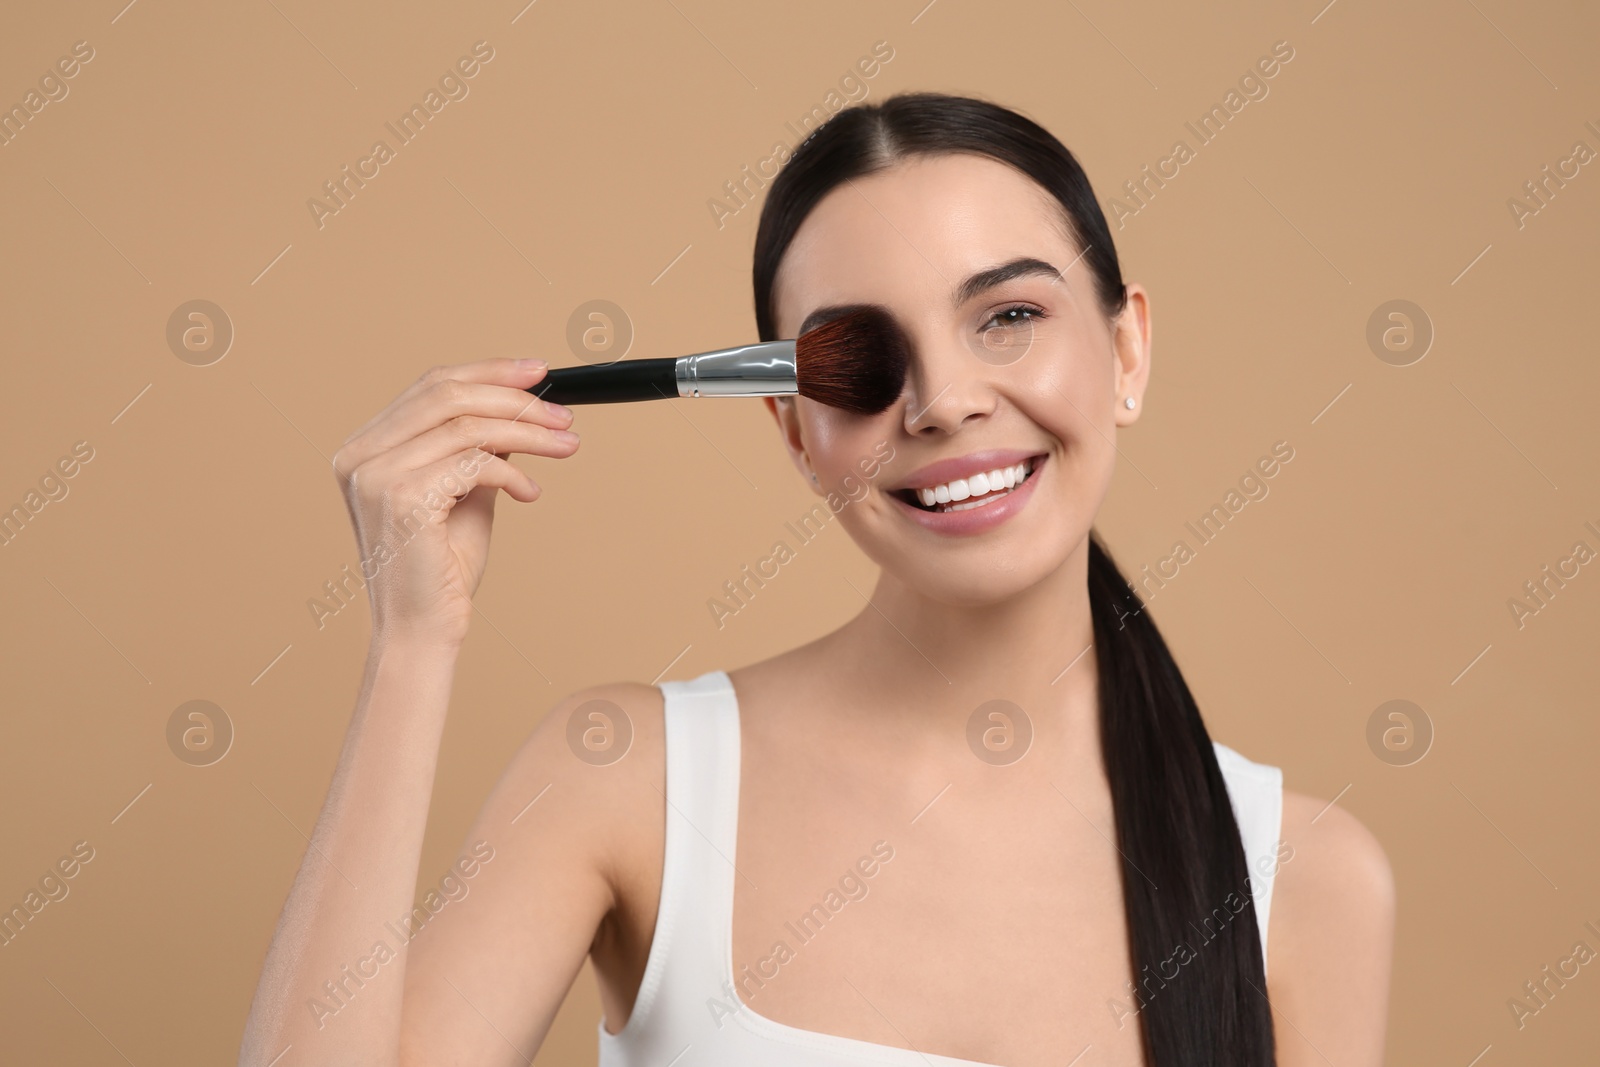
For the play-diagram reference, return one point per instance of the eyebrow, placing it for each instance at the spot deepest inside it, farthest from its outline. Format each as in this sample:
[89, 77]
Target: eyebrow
[983, 280]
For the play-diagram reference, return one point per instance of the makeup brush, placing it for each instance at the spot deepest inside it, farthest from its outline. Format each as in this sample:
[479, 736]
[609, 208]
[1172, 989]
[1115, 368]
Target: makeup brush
[856, 361]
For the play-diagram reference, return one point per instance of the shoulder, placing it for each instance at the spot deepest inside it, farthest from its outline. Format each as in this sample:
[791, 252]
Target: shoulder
[572, 826]
[589, 780]
[1337, 866]
[1332, 931]
[597, 726]
[595, 741]
[623, 713]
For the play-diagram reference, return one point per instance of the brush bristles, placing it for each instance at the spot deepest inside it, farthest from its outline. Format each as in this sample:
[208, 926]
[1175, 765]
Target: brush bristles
[856, 362]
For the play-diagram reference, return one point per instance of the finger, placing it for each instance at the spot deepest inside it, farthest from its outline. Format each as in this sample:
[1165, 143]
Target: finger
[432, 492]
[474, 513]
[506, 373]
[452, 399]
[488, 471]
[471, 431]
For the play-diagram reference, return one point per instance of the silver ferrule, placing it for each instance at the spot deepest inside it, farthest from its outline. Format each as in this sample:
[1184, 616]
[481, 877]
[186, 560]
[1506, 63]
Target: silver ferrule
[766, 369]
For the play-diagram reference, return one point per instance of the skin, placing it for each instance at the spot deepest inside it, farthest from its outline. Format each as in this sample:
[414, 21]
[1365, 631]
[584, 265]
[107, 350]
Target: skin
[1003, 897]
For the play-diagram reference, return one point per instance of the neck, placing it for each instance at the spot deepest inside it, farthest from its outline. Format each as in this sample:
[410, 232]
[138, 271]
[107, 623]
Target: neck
[913, 655]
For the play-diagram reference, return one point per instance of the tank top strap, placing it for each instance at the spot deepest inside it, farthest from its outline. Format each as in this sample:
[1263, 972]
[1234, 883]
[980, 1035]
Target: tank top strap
[685, 984]
[1255, 791]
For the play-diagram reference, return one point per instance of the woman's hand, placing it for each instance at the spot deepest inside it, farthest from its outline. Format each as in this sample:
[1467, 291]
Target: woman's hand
[421, 479]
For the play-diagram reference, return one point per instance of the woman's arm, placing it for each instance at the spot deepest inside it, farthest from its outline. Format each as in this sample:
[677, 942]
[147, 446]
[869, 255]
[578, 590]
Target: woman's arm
[1330, 939]
[358, 873]
[568, 837]
[420, 481]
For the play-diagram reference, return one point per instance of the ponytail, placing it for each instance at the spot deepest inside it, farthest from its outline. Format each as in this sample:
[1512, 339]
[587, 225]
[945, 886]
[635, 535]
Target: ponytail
[1201, 996]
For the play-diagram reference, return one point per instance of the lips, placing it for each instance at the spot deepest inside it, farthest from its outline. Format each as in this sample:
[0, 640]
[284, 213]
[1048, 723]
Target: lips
[962, 494]
[947, 470]
[975, 514]
[966, 482]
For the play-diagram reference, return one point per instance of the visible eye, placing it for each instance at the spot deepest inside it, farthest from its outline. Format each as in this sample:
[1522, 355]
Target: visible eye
[1014, 316]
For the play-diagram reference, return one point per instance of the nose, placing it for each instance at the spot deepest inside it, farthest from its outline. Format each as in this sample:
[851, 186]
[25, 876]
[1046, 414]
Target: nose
[947, 387]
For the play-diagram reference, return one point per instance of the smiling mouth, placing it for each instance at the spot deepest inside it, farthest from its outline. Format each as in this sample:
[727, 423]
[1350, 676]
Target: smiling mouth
[976, 491]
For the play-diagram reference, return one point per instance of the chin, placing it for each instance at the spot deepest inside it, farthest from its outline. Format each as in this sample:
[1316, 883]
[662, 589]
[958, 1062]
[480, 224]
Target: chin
[975, 588]
[969, 574]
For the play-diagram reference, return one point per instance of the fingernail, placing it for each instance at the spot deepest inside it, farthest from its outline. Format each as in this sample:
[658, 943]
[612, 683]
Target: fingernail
[566, 435]
[559, 409]
[532, 364]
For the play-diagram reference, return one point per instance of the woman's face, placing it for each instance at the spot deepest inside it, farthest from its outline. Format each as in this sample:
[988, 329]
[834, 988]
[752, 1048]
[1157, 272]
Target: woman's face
[1018, 366]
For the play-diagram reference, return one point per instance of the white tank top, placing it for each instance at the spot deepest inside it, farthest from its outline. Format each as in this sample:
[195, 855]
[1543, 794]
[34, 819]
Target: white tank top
[687, 1013]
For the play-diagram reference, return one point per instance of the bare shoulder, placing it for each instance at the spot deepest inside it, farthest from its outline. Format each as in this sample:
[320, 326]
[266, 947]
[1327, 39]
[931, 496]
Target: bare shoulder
[603, 747]
[574, 830]
[583, 790]
[1330, 937]
[600, 725]
[1336, 858]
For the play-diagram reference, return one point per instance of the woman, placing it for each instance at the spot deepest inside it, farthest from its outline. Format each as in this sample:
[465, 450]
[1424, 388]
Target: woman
[940, 834]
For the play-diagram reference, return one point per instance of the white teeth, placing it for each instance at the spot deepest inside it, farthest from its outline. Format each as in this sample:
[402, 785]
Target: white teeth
[979, 488]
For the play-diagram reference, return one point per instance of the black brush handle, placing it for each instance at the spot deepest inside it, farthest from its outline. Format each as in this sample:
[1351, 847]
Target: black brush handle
[633, 379]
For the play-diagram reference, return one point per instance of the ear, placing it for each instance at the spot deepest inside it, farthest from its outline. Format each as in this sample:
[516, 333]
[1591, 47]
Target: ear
[785, 410]
[1130, 340]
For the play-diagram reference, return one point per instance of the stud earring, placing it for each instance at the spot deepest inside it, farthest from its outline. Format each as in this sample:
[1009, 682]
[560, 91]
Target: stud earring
[813, 476]
[1128, 403]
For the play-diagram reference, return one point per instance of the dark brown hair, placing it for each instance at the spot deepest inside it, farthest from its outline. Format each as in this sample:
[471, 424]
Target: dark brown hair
[1176, 830]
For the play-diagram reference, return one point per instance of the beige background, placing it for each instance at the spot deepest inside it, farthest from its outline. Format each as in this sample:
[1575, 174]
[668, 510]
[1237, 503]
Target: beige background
[579, 167]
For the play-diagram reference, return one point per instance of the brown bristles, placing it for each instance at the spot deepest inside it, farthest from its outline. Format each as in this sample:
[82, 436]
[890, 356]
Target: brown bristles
[856, 362]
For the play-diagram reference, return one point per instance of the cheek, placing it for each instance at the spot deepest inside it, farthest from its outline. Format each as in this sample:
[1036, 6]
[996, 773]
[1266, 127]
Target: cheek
[876, 530]
[1068, 393]
[1072, 375]
[841, 445]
